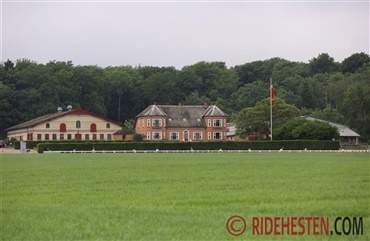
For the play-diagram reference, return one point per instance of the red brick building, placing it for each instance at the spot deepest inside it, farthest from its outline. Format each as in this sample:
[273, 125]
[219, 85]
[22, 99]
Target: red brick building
[182, 122]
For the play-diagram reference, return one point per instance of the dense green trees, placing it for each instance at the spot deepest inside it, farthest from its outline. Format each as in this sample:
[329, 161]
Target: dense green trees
[322, 87]
[257, 119]
[302, 129]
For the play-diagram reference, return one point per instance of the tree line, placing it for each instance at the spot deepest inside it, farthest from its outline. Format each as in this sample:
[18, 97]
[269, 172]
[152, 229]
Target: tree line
[323, 88]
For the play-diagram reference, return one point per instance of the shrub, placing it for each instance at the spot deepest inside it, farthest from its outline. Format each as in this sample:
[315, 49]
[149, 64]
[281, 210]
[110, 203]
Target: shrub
[177, 145]
[138, 137]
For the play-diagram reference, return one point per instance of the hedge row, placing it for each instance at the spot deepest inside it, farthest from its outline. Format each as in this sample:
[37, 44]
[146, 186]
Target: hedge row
[33, 144]
[29, 144]
[177, 145]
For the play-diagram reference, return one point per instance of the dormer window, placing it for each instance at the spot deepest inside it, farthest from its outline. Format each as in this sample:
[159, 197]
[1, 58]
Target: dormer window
[184, 119]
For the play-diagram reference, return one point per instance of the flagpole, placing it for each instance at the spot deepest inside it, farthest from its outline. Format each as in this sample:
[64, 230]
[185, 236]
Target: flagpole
[271, 106]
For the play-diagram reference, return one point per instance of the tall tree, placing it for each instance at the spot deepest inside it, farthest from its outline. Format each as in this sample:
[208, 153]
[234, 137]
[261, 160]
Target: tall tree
[355, 62]
[357, 106]
[249, 94]
[302, 129]
[119, 81]
[257, 119]
[323, 64]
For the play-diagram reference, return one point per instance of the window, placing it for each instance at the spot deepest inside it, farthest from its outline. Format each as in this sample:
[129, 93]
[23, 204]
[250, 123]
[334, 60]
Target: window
[54, 136]
[94, 136]
[174, 135]
[61, 137]
[148, 123]
[101, 136]
[47, 125]
[217, 135]
[62, 127]
[209, 135]
[148, 135]
[209, 123]
[38, 136]
[93, 127]
[109, 136]
[69, 136]
[217, 123]
[157, 135]
[78, 124]
[46, 136]
[197, 136]
[186, 135]
[87, 136]
[107, 125]
[157, 123]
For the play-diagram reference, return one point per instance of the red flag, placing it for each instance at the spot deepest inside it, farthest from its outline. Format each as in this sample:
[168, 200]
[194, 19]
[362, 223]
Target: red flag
[272, 94]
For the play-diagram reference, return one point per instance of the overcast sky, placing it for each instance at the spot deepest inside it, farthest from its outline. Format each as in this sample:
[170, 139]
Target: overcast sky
[181, 33]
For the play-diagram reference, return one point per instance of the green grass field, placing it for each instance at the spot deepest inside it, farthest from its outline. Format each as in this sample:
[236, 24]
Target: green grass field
[175, 196]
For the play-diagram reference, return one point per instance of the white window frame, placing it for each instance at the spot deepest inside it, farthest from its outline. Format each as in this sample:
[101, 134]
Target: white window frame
[148, 135]
[214, 135]
[209, 122]
[159, 121]
[209, 136]
[220, 123]
[148, 122]
[177, 135]
[200, 134]
[155, 133]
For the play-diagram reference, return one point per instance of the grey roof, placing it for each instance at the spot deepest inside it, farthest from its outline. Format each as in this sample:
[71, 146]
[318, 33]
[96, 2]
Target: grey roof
[152, 110]
[343, 130]
[214, 111]
[36, 121]
[183, 115]
[124, 132]
[49, 117]
[231, 129]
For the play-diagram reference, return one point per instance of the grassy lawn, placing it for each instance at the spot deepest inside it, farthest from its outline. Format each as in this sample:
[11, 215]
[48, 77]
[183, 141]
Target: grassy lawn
[175, 196]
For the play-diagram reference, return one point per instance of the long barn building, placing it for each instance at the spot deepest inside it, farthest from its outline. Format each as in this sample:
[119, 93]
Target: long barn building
[72, 124]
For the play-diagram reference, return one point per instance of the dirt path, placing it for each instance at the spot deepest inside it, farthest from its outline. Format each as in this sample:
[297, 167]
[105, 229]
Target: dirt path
[14, 151]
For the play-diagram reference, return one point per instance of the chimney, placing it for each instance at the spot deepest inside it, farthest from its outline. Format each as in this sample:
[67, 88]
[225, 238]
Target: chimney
[205, 105]
[60, 109]
[69, 107]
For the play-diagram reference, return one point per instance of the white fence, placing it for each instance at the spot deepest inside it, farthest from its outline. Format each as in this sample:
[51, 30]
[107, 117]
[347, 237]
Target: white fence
[208, 151]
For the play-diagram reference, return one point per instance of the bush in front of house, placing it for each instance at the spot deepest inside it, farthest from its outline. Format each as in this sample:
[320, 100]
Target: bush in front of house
[178, 145]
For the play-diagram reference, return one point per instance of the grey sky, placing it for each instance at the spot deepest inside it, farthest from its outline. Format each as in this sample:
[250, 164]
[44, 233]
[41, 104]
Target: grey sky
[181, 33]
